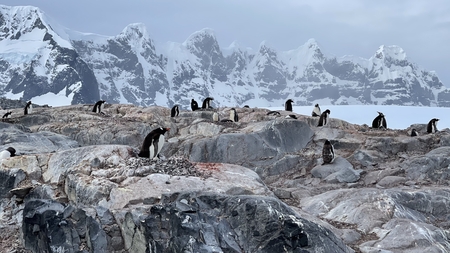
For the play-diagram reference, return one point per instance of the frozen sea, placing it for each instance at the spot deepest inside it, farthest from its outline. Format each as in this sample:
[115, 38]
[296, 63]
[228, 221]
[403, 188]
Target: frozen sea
[397, 117]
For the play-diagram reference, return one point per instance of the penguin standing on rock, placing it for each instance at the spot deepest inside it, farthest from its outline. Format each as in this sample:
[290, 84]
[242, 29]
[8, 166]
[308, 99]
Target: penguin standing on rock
[233, 115]
[316, 111]
[432, 126]
[153, 143]
[9, 152]
[206, 103]
[175, 111]
[327, 152]
[28, 108]
[414, 132]
[215, 117]
[288, 105]
[98, 107]
[323, 120]
[379, 121]
[7, 115]
[194, 105]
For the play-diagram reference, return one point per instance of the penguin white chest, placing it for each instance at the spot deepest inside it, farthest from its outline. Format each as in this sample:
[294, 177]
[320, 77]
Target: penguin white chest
[156, 146]
[4, 154]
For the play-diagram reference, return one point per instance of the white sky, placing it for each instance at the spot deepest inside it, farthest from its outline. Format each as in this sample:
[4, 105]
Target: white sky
[345, 27]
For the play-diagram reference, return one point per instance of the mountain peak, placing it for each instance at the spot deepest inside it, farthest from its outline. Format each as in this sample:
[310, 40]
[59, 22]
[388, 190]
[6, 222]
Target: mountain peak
[138, 29]
[205, 33]
[394, 52]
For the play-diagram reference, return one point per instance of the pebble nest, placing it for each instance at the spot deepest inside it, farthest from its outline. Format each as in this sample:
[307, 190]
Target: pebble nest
[174, 166]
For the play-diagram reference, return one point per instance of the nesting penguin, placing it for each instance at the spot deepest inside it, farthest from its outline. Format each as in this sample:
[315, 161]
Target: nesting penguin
[194, 105]
[327, 152]
[274, 113]
[233, 115]
[291, 116]
[323, 120]
[28, 108]
[98, 107]
[174, 112]
[153, 143]
[316, 111]
[432, 126]
[379, 121]
[207, 103]
[414, 132]
[288, 105]
[9, 152]
[7, 115]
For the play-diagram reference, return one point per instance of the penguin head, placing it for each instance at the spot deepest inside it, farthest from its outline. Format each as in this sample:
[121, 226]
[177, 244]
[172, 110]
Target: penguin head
[327, 142]
[380, 114]
[435, 119]
[163, 130]
[327, 111]
[12, 151]
[317, 105]
[290, 101]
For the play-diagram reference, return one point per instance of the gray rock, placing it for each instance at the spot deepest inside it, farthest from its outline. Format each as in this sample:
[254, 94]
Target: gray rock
[433, 166]
[339, 171]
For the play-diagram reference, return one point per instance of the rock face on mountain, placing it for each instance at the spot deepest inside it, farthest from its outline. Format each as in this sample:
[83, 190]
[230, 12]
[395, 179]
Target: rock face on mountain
[83, 68]
[259, 184]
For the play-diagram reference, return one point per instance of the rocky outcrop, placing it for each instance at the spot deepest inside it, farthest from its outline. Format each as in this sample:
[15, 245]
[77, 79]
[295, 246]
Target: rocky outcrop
[253, 185]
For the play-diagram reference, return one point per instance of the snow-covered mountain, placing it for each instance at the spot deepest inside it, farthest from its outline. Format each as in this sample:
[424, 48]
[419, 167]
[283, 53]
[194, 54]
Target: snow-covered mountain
[40, 59]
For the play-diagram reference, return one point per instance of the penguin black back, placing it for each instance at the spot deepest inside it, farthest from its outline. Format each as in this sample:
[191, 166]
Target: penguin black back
[194, 105]
[379, 121]
[316, 111]
[98, 106]
[288, 105]
[175, 111]
[153, 143]
[432, 126]
[206, 103]
[327, 152]
[323, 120]
[28, 108]
[7, 115]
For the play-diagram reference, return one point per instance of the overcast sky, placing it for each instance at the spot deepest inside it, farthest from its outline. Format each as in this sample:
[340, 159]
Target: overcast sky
[344, 27]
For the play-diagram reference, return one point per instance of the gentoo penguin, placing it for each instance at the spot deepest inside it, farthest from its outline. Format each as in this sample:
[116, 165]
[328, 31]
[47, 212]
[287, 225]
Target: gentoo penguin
[153, 143]
[7, 115]
[246, 106]
[215, 117]
[98, 107]
[432, 126]
[327, 152]
[414, 132]
[206, 103]
[28, 108]
[233, 115]
[288, 105]
[291, 116]
[323, 120]
[175, 111]
[275, 113]
[316, 111]
[9, 152]
[379, 121]
[194, 105]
